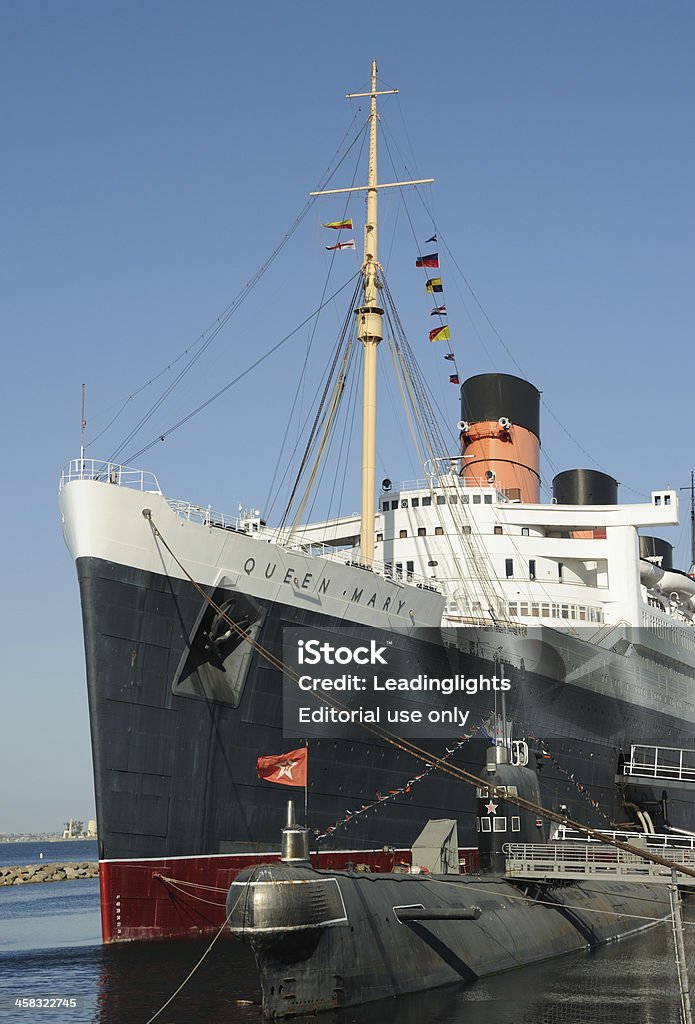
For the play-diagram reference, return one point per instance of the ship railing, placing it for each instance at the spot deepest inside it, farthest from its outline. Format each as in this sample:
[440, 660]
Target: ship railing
[205, 515]
[389, 570]
[577, 861]
[109, 473]
[672, 763]
[654, 840]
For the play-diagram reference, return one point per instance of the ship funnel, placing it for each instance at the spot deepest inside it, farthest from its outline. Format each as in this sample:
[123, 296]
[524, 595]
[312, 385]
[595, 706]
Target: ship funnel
[500, 442]
[585, 487]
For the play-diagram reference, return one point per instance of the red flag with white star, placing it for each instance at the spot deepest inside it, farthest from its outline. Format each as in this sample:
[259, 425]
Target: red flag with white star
[286, 769]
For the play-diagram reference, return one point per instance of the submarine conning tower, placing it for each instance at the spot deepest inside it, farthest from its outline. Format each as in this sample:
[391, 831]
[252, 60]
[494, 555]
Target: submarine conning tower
[500, 435]
[500, 821]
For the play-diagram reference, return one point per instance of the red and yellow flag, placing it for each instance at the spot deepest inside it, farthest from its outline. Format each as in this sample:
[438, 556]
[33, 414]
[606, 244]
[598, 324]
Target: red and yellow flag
[440, 334]
[340, 225]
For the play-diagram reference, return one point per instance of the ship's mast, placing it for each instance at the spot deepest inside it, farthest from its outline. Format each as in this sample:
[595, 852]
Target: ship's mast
[370, 329]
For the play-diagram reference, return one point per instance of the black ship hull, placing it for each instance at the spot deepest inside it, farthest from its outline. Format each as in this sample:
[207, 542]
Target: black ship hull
[180, 712]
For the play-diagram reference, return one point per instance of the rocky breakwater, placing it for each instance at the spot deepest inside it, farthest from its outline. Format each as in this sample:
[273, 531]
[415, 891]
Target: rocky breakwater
[48, 872]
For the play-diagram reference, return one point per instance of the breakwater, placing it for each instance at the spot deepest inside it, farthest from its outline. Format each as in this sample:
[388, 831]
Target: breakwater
[48, 872]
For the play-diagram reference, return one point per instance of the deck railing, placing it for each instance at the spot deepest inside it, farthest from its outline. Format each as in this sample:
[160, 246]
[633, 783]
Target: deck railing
[109, 473]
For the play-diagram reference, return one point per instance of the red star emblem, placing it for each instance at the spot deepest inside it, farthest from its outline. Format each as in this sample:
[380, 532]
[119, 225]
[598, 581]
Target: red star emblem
[490, 807]
[285, 769]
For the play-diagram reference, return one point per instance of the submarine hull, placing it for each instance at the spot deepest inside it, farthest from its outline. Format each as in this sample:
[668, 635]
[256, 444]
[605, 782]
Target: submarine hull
[324, 940]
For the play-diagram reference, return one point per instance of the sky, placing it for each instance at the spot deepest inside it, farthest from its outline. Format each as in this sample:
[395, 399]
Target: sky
[154, 155]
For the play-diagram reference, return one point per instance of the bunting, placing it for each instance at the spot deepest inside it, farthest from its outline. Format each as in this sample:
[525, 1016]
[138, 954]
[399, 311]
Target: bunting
[454, 379]
[428, 261]
[340, 225]
[450, 355]
[440, 334]
[438, 311]
[434, 285]
[432, 239]
[384, 798]
[341, 245]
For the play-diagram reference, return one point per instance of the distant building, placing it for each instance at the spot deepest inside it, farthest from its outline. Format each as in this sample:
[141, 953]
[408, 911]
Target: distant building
[73, 829]
[91, 829]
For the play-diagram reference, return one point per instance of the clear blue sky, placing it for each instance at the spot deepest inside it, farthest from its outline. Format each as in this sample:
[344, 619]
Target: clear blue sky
[153, 155]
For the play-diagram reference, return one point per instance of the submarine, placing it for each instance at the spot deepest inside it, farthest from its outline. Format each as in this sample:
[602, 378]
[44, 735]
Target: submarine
[325, 939]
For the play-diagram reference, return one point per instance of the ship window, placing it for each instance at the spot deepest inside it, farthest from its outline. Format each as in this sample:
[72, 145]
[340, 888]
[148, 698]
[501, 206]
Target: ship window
[410, 569]
[438, 531]
[524, 531]
[379, 537]
[476, 499]
[555, 611]
[477, 824]
[453, 499]
[404, 502]
[465, 529]
[545, 611]
[667, 499]
[500, 824]
[560, 571]
[441, 499]
[394, 504]
[415, 502]
[432, 565]
[582, 613]
[509, 566]
[402, 534]
[565, 611]
[426, 501]
[485, 825]
[399, 570]
[386, 505]
[464, 499]
[523, 608]
[516, 823]
[532, 569]
[657, 499]
[512, 608]
[498, 530]
[534, 609]
[488, 499]
[422, 531]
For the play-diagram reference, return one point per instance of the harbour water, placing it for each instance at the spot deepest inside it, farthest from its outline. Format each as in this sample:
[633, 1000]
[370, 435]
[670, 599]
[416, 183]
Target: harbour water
[50, 949]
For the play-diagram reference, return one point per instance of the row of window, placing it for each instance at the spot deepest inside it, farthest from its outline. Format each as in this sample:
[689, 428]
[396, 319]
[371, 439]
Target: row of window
[497, 824]
[543, 610]
[391, 504]
[421, 532]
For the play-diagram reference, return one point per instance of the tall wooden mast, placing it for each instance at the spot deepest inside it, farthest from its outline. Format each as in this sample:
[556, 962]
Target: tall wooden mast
[370, 331]
[369, 315]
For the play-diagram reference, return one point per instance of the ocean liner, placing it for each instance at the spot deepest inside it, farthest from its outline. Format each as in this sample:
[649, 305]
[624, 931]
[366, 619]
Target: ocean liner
[184, 612]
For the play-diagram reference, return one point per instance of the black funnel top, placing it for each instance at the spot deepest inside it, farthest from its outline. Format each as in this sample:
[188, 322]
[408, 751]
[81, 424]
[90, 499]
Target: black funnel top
[490, 396]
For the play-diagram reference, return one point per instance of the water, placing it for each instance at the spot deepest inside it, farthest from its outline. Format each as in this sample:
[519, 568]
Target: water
[50, 947]
[64, 851]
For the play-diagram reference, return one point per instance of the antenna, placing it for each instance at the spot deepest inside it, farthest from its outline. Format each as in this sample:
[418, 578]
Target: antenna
[83, 424]
[692, 519]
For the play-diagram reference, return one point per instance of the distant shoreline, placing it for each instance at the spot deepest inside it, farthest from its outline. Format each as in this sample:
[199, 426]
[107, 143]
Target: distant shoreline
[53, 839]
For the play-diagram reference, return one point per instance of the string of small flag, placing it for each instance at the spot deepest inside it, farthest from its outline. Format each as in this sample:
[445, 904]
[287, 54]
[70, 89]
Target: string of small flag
[392, 794]
[340, 225]
[434, 286]
[570, 776]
